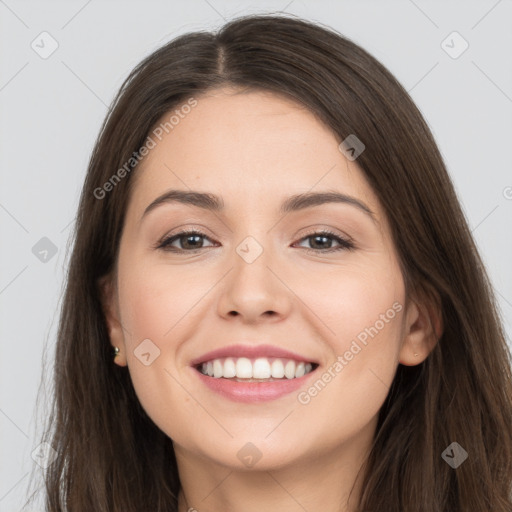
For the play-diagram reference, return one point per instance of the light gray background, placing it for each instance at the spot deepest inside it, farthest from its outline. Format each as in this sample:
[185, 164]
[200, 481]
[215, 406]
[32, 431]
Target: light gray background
[51, 111]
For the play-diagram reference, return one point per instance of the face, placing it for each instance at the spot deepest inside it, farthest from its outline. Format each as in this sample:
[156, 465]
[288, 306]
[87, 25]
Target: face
[317, 284]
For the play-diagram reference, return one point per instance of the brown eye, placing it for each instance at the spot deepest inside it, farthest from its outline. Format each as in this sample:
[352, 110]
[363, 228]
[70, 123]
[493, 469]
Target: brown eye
[319, 240]
[190, 241]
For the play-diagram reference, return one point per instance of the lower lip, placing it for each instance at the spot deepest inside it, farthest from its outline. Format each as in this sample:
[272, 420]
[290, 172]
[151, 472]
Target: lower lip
[250, 392]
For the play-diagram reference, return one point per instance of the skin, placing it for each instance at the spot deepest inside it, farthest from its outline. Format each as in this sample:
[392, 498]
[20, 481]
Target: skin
[254, 149]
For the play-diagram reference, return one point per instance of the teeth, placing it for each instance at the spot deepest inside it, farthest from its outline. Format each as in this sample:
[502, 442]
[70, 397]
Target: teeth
[277, 369]
[243, 368]
[229, 368]
[218, 369]
[260, 368]
[289, 370]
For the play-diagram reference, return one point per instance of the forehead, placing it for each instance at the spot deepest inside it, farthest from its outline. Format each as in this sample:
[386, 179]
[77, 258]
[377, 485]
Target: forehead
[250, 147]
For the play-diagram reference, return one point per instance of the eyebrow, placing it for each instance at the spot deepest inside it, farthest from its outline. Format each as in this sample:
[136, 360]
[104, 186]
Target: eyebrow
[214, 203]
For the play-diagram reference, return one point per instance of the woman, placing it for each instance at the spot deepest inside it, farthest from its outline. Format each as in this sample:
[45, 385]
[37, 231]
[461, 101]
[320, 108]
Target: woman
[269, 241]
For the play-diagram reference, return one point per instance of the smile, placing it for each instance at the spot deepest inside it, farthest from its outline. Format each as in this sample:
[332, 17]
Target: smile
[261, 369]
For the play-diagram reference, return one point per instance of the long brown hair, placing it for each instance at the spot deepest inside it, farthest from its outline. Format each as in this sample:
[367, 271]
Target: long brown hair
[112, 457]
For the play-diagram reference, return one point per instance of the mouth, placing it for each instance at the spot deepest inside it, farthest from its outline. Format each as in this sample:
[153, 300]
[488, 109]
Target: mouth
[260, 369]
[253, 373]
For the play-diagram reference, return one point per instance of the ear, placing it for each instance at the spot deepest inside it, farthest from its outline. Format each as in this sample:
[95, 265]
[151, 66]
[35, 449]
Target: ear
[423, 329]
[110, 306]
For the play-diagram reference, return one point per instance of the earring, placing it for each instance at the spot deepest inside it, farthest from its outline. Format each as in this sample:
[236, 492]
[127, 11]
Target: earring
[416, 355]
[116, 352]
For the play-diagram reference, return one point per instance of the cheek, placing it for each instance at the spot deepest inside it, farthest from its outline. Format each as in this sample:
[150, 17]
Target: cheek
[154, 301]
[157, 314]
[361, 311]
[369, 310]
[348, 302]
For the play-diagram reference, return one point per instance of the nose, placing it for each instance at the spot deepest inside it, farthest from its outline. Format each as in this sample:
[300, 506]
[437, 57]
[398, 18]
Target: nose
[255, 291]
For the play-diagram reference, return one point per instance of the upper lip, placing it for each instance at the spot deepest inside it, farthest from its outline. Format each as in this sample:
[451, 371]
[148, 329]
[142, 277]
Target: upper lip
[250, 351]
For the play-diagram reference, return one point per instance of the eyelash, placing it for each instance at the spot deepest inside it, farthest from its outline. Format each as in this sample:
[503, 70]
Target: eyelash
[345, 244]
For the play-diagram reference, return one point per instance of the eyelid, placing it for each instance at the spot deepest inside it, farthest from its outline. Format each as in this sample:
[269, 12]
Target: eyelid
[160, 244]
[346, 242]
[186, 228]
[318, 228]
